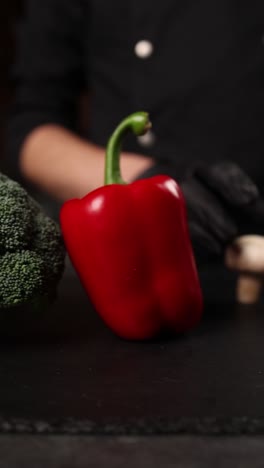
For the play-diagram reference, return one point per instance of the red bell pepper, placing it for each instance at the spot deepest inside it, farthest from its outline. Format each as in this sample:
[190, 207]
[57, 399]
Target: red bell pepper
[130, 246]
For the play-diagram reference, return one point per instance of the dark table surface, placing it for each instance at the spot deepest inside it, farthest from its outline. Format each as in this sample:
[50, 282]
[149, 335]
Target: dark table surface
[65, 376]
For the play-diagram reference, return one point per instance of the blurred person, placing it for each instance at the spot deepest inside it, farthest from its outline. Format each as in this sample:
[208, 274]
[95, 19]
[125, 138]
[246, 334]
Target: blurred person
[196, 67]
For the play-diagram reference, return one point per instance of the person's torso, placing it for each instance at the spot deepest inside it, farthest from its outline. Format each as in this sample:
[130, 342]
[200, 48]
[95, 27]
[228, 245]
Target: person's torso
[196, 66]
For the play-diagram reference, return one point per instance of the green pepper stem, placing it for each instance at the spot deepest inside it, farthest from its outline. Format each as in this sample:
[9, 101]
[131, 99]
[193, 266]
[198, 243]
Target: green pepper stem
[138, 123]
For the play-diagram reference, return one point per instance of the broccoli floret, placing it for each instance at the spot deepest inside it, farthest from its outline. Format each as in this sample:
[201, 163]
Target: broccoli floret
[21, 277]
[32, 252]
[16, 218]
[47, 243]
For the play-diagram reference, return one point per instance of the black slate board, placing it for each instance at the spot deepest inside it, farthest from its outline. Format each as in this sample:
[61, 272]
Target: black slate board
[66, 372]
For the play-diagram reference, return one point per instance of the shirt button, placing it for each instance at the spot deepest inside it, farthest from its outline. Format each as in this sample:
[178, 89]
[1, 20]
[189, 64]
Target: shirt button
[144, 49]
[147, 140]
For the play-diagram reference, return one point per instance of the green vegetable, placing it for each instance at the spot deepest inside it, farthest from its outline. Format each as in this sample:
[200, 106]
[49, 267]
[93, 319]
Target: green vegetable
[32, 252]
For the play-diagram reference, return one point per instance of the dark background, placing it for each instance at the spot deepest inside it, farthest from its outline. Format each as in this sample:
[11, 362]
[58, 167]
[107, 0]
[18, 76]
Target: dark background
[229, 345]
[11, 11]
[11, 14]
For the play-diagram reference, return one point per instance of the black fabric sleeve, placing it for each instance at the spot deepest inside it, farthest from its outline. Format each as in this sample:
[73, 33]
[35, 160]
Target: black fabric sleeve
[48, 71]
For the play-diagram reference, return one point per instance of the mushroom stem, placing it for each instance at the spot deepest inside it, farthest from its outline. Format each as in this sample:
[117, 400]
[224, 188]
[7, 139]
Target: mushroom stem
[246, 256]
[249, 287]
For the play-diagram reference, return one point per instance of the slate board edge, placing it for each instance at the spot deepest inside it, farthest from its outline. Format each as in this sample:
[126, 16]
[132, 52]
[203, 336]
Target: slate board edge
[198, 426]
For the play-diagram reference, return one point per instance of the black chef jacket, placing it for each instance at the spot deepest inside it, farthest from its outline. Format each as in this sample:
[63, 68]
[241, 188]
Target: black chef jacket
[197, 66]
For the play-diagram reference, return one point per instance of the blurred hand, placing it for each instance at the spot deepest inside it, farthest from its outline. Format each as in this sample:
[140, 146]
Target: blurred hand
[222, 203]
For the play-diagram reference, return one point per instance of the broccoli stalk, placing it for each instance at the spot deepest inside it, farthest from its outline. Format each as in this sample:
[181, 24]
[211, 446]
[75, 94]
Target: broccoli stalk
[32, 252]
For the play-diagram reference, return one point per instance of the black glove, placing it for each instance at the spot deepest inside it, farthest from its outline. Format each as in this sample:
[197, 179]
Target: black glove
[222, 203]
[237, 192]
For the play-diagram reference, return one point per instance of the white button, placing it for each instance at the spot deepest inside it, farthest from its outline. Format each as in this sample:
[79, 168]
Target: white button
[143, 49]
[148, 139]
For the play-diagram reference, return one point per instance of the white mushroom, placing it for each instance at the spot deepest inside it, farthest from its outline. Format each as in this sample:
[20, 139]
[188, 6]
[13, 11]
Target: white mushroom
[246, 256]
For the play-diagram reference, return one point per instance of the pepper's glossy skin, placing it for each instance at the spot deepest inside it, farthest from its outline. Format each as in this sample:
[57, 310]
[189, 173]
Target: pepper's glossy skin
[130, 246]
